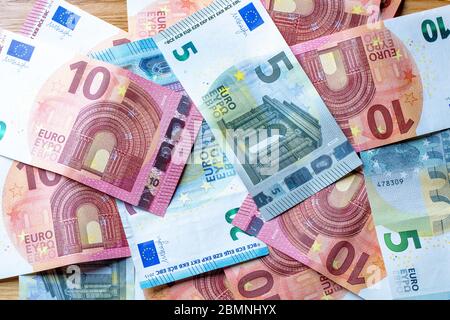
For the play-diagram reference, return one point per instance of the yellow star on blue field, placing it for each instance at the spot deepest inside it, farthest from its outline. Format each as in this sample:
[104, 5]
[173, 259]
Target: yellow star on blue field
[239, 75]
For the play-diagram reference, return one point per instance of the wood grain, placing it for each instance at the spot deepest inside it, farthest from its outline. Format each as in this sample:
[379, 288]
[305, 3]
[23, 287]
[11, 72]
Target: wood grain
[13, 13]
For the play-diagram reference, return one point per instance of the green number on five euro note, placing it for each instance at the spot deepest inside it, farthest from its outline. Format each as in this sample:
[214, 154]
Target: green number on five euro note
[2, 129]
[404, 243]
[185, 54]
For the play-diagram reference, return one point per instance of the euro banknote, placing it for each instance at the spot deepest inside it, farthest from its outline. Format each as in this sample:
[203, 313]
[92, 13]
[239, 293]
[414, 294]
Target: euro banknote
[300, 21]
[284, 278]
[389, 8]
[195, 235]
[264, 111]
[146, 18]
[207, 286]
[49, 221]
[61, 23]
[92, 122]
[144, 59]
[332, 232]
[101, 280]
[180, 136]
[297, 20]
[273, 277]
[409, 191]
[384, 82]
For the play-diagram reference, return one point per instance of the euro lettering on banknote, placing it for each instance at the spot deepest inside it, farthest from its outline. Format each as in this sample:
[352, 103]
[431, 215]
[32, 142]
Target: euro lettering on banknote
[273, 277]
[196, 234]
[384, 82]
[92, 122]
[100, 280]
[278, 133]
[297, 20]
[146, 18]
[183, 127]
[409, 191]
[144, 59]
[49, 221]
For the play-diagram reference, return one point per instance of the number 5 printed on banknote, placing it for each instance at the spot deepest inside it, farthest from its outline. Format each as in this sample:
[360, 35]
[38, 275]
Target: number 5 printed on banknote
[409, 191]
[241, 74]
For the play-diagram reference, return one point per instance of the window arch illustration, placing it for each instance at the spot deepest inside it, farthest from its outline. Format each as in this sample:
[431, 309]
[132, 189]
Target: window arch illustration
[320, 215]
[111, 140]
[84, 218]
[350, 88]
[312, 19]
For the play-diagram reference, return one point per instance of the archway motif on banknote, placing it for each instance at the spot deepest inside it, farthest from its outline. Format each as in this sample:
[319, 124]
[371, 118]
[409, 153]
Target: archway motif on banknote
[330, 213]
[212, 286]
[126, 138]
[282, 264]
[74, 207]
[304, 20]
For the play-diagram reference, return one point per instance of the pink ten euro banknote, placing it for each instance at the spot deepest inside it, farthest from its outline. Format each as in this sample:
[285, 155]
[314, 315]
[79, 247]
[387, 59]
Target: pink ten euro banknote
[59, 22]
[78, 26]
[90, 121]
[384, 82]
[332, 232]
[49, 221]
[299, 21]
[273, 277]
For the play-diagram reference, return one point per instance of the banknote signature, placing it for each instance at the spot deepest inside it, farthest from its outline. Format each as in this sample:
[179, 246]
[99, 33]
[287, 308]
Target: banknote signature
[21, 65]
[241, 25]
[64, 32]
[161, 250]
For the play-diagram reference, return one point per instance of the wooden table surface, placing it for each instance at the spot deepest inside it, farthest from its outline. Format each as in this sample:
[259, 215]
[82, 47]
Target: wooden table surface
[13, 13]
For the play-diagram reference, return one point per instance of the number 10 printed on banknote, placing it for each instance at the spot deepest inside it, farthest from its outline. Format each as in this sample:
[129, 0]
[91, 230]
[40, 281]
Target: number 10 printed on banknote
[241, 74]
[92, 122]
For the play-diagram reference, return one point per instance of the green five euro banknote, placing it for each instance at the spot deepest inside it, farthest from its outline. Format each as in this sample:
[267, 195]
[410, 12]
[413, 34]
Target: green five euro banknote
[408, 185]
[239, 71]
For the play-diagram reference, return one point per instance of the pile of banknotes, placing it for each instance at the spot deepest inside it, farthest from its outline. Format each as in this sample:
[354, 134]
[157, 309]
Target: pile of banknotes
[228, 149]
